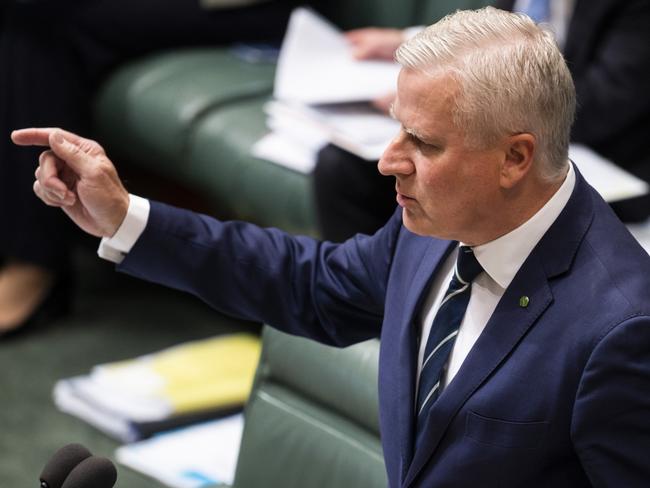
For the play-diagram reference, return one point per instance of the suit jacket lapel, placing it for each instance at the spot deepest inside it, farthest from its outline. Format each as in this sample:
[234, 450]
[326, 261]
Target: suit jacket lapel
[510, 321]
[409, 342]
[504, 330]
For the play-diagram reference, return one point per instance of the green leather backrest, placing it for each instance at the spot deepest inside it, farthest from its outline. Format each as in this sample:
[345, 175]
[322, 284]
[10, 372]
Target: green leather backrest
[311, 421]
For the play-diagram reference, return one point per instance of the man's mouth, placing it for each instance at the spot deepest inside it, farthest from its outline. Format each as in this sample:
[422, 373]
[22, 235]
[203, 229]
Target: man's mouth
[401, 194]
[402, 199]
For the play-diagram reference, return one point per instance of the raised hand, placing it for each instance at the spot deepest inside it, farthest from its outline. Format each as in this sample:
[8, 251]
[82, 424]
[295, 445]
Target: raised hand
[374, 42]
[76, 175]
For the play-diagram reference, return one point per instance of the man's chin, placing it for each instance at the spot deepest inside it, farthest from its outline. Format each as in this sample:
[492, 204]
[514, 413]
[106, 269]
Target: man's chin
[420, 226]
[414, 223]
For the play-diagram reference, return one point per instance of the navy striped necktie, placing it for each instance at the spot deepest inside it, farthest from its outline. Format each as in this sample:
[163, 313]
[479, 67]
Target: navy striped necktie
[443, 334]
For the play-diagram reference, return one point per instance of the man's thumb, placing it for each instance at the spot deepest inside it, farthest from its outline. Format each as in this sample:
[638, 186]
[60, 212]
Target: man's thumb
[68, 151]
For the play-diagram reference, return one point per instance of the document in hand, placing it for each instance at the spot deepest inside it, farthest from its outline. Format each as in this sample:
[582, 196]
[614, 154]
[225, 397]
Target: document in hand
[316, 66]
[187, 383]
[322, 96]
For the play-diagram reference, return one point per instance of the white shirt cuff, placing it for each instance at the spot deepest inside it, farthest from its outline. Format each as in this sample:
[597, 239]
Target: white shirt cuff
[115, 248]
[410, 32]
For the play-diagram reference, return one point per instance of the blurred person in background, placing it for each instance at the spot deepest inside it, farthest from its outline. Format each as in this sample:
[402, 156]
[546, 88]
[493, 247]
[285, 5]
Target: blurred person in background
[607, 47]
[69, 47]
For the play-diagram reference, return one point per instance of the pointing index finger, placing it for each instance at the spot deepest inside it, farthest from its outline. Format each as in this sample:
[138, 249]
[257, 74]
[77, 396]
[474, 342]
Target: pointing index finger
[40, 136]
[32, 137]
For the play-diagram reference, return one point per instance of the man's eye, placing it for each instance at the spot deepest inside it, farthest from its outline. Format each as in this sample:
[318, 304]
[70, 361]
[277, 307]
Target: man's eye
[417, 141]
[423, 146]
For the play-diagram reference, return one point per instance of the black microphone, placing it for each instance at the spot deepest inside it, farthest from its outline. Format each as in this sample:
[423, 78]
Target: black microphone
[92, 472]
[61, 463]
[73, 466]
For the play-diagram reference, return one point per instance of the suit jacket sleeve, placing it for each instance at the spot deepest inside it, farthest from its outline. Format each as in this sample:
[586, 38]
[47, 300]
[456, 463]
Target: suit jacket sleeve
[331, 293]
[611, 419]
[612, 83]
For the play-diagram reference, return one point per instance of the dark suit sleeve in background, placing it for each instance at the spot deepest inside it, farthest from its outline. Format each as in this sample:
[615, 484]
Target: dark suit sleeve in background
[608, 51]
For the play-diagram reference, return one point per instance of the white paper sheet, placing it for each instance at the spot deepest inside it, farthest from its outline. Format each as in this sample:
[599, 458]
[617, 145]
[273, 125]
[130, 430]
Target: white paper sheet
[285, 151]
[641, 232]
[67, 399]
[356, 127]
[316, 65]
[611, 181]
[193, 457]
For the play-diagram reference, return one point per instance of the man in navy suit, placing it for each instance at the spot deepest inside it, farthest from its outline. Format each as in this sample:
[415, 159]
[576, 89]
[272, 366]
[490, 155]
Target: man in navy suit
[532, 368]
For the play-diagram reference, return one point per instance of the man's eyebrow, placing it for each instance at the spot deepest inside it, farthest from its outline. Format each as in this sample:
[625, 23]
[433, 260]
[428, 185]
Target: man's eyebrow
[413, 132]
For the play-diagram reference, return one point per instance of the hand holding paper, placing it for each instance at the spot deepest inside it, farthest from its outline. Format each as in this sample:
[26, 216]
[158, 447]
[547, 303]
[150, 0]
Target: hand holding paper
[375, 43]
[317, 65]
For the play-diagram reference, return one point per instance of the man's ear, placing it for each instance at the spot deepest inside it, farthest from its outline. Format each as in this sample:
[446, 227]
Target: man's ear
[519, 152]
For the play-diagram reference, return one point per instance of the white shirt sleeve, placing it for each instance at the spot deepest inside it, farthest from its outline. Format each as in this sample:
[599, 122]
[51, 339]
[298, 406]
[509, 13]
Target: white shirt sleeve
[115, 248]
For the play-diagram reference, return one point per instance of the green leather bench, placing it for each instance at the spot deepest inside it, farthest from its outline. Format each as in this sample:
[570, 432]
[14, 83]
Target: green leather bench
[192, 115]
[311, 421]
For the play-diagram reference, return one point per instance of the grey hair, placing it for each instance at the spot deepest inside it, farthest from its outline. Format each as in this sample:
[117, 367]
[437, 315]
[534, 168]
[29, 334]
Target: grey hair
[511, 75]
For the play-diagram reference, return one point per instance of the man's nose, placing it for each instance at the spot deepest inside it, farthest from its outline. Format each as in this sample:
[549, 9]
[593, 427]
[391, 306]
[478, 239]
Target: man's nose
[396, 160]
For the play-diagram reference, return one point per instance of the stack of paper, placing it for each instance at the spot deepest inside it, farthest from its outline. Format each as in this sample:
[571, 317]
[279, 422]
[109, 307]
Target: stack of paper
[322, 96]
[611, 181]
[316, 65]
[193, 457]
[191, 382]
